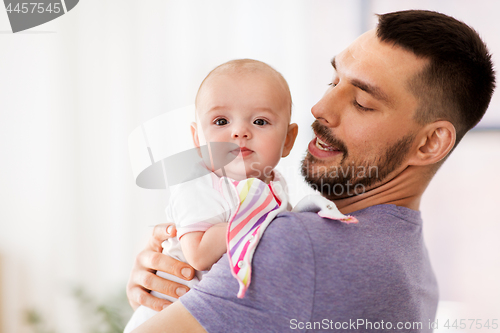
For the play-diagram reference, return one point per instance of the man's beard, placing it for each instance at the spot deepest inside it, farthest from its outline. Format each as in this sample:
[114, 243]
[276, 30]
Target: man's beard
[351, 176]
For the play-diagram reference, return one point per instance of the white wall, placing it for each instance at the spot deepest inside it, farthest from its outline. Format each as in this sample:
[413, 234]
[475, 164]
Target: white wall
[462, 228]
[73, 89]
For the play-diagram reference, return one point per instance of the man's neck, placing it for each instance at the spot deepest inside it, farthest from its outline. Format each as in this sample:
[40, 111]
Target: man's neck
[404, 190]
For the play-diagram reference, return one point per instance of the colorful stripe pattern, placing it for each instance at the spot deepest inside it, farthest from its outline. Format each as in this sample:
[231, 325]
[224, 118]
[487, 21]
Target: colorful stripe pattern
[253, 206]
[256, 205]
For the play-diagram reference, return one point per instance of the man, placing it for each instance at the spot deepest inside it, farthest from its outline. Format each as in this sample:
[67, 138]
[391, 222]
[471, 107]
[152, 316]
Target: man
[402, 97]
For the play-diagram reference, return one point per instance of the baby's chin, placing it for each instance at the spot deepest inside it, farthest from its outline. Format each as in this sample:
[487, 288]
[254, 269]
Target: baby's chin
[238, 176]
[231, 174]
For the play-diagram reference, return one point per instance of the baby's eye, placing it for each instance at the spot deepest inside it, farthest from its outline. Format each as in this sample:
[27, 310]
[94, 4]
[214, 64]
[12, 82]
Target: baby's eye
[260, 122]
[220, 122]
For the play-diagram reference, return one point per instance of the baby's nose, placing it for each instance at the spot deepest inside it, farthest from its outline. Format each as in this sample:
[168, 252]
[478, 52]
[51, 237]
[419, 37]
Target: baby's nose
[241, 132]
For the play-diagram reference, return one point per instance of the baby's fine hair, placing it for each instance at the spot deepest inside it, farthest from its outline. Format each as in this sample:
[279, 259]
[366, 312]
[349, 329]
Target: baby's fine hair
[240, 66]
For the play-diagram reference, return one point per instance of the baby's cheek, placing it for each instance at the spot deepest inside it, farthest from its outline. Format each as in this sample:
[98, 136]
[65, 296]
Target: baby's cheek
[201, 138]
[273, 156]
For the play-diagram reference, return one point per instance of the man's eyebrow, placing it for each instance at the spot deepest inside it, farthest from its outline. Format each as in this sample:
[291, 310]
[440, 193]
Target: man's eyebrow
[375, 91]
[372, 90]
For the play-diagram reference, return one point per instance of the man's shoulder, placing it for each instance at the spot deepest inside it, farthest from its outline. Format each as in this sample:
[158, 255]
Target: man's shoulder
[389, 212]
[293, 230]
[310, 268]
[286, 233]
[372, 214]
[380, 230]
[386, 245]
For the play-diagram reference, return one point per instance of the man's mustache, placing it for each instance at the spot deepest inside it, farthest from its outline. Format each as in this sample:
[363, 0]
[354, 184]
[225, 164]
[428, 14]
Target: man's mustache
[326, 136]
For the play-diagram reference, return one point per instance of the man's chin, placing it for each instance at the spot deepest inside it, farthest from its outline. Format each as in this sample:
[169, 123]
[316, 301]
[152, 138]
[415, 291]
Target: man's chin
[351, 177]
[336, 190]
[337, 181]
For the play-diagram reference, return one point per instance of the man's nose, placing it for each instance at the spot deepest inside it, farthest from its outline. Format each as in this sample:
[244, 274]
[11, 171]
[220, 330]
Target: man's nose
[329, 108]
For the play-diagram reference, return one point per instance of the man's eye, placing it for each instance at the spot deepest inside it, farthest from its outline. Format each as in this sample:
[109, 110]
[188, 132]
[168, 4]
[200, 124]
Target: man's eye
[361, 107]
[260, 122]
[220, 122]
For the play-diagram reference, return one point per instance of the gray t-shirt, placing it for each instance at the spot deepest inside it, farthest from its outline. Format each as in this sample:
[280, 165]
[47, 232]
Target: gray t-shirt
[312, 274]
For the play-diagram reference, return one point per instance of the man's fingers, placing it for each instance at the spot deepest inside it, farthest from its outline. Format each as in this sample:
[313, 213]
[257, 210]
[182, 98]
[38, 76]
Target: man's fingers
[151, 281]
[138, 295]
[161, 232]
[142, 297]
[163, 263]
[160, 262]
[164, 231]
[167, 287]
[143, 277]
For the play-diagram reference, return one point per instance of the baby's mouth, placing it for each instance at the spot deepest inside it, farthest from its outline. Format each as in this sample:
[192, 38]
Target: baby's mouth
[244, 151]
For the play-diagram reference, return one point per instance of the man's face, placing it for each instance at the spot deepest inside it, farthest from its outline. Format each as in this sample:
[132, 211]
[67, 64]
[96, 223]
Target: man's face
[364, 124]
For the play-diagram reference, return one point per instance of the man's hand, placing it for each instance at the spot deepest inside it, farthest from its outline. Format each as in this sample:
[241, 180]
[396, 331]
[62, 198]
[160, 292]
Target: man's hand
[143, 277]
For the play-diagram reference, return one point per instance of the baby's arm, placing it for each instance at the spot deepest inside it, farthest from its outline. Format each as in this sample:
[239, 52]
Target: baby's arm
[203, 249]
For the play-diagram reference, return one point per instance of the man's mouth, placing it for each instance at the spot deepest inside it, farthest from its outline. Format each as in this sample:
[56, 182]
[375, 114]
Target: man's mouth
[320, 149]
[320, 144]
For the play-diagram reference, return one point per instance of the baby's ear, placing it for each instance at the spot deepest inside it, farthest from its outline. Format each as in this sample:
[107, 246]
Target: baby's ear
[194, 133]
[291, 135]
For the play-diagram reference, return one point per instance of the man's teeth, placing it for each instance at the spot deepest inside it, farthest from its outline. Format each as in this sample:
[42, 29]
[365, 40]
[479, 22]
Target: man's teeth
[322, 145]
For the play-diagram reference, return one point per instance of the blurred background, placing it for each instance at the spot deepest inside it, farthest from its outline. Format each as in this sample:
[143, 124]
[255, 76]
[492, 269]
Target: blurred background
[72, 90]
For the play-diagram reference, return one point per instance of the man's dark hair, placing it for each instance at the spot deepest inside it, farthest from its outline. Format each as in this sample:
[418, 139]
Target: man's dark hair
[459, 80]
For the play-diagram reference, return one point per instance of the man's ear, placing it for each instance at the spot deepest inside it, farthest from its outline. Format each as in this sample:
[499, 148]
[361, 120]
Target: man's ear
[435, 141]
[194, 133]
[291, 135]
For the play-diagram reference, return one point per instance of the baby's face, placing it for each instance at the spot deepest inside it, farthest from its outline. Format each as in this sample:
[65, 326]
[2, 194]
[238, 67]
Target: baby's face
[251, 110]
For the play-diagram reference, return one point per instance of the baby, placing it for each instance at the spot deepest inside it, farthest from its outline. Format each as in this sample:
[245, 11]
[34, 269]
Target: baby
[246, 103]
[245, 107]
